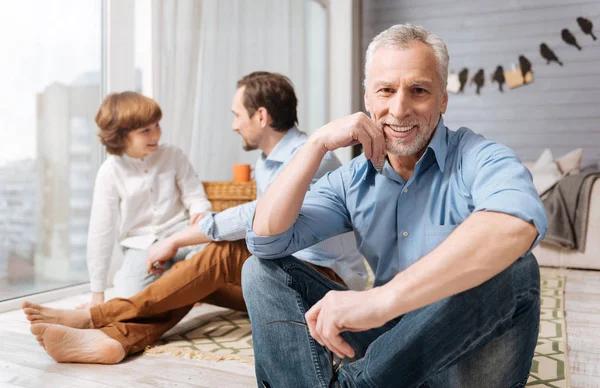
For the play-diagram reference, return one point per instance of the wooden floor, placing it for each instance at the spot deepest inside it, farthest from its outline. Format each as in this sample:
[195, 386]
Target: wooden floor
[23, 363]
[582, 308]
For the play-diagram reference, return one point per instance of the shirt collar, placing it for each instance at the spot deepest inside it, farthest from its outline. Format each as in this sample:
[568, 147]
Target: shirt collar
[133, 160]
[284, 148]
[439, 144]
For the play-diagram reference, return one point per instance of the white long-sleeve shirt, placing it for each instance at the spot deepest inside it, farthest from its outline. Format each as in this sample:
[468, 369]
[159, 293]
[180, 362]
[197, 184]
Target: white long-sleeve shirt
[144, 198]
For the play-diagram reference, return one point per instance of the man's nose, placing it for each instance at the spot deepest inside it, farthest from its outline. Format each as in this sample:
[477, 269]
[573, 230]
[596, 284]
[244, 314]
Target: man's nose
[400, 105]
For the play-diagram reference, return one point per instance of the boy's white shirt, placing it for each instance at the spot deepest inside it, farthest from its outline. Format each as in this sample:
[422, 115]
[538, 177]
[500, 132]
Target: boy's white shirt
[139, 201]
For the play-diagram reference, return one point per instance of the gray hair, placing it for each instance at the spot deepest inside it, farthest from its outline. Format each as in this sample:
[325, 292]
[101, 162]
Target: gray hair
[401, 35]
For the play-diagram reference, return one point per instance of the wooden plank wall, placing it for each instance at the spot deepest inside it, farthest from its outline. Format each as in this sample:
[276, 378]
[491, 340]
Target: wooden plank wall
[560, 110]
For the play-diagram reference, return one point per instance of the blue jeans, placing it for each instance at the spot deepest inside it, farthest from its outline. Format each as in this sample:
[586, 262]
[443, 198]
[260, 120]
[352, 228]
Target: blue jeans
[483, 337]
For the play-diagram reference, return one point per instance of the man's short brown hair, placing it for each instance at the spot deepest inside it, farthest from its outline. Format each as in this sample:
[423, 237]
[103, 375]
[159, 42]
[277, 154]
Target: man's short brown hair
[275, 93]
[121, 113]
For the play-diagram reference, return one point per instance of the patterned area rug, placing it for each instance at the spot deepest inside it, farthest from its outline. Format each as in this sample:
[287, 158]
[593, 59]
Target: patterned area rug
[212, 333]
[550, 366]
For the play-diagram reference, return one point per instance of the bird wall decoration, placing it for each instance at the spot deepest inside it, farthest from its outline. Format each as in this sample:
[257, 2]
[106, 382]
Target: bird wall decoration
[548, 54]
[569, 38]
[463, 76]
[524, 73]
[586, 26]
[525, 65]
[479, 80]
[498, 77]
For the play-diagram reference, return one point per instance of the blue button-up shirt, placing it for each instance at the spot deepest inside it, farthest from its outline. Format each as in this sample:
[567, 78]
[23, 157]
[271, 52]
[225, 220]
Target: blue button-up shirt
[338, 253]
[396, 222]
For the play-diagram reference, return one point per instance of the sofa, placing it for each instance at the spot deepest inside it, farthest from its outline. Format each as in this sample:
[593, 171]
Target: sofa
[546, 171]
[551, 255]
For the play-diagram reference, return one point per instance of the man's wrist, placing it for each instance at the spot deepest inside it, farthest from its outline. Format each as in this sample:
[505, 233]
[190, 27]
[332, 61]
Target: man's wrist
[316, 144]
[387, 302]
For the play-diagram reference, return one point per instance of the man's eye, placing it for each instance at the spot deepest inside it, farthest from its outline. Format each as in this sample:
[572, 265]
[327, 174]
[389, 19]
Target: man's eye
[420, 90]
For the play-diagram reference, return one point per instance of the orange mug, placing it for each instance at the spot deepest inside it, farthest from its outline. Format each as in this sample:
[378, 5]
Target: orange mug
[241, 173]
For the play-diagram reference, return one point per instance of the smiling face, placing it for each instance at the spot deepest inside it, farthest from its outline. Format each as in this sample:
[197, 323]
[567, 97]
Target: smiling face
[404, 96]
[143, 141]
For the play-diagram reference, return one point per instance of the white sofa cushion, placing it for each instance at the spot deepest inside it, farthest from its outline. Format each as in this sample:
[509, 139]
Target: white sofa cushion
[546, 171]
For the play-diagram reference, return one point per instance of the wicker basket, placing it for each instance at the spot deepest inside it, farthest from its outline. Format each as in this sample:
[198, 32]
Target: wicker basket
[223, 195]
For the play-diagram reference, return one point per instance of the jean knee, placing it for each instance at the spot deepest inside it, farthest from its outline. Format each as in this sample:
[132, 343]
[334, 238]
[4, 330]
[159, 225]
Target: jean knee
[252, 272]
[258, 275]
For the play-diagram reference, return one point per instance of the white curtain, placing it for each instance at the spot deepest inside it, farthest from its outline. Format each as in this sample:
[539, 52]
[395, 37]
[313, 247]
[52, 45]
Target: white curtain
[200, 49]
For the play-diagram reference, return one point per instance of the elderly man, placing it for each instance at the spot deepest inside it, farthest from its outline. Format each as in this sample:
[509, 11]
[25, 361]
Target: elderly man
[264, 114]
[446, 219]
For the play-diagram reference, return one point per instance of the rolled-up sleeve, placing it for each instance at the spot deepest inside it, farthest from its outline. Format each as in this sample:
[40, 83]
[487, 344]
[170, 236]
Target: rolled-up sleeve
[323, 215]
[500, 183]
[228, 225]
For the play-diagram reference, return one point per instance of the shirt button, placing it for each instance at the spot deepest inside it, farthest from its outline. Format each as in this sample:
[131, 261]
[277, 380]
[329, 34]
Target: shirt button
[145, 171]
[405, 190]
[405, 234]
[151, 189]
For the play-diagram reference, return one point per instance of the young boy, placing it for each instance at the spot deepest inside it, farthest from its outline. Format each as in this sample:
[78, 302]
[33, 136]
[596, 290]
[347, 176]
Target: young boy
[143, 193]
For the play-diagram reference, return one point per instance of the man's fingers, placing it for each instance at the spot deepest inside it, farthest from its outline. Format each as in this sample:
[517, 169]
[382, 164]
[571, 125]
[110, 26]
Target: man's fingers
[312, 314]
[319, 328]
[377, 140]
[344, 347]
[365, 139]
[328, 335]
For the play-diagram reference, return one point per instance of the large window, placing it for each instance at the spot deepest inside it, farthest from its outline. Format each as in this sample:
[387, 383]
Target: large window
[51, 89]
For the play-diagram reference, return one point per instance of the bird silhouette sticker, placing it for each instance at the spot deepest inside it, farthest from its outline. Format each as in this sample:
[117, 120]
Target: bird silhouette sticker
[548, 54]
[498, 77]
[569, 38]
[586, 26]
[478, 79]
[525, 65]
[463, 76]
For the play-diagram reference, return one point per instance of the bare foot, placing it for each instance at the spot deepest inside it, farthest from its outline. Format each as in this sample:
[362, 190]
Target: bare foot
[65, 344]
[40, 340]
[79, 319]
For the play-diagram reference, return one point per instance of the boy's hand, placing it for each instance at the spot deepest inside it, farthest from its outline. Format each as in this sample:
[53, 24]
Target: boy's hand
[158, 253]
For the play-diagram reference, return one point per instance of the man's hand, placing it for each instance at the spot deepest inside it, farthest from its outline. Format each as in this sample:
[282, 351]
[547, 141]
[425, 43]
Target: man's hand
[351, 130]
[97, 298]
[341, 311]
[197, 217]
[158, 253]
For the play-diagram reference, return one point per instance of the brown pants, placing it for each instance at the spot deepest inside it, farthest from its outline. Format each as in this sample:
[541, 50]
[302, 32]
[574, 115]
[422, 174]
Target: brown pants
[212, 276]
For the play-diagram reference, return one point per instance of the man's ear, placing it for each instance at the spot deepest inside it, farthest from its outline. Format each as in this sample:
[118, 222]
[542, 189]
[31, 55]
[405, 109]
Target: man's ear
[264, 117]
[444, 102]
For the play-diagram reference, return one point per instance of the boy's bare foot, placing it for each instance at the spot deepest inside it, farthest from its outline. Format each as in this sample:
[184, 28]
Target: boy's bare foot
[66, 344]
[79, 319]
